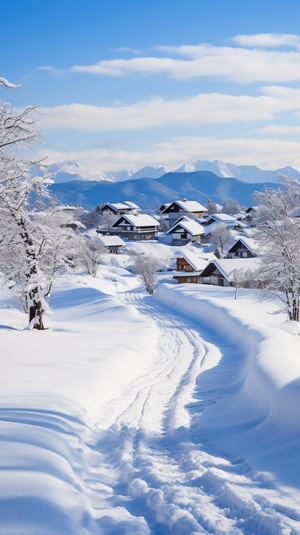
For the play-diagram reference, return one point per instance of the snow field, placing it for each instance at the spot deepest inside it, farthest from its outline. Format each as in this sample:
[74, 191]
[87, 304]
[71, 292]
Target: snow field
[150, 415]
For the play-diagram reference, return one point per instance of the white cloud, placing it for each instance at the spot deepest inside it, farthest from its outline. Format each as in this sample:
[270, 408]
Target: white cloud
[202, 109]
[238, 64]
[52, 71]
[268, 40]
[267, 153]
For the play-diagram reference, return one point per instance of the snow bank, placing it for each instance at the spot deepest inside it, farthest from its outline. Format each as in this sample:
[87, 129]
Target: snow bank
[55, 386]
[256, 386]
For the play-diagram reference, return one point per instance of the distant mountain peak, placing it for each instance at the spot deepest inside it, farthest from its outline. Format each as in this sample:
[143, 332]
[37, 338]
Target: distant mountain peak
[247, 173]
[71, 170]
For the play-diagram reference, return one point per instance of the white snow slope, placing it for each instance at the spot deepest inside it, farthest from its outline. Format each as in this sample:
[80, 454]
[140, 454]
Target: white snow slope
[132, 414]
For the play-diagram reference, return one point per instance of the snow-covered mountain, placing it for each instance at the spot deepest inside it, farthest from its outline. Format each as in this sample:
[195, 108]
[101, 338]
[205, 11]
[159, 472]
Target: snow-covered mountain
[70, 171]
[150, 172]
[246, 173]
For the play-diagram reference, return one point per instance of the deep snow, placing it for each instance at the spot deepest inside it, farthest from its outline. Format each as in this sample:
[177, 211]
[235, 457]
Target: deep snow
[172, 414]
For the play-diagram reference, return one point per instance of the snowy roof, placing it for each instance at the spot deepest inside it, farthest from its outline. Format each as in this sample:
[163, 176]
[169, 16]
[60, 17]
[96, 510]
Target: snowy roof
[221, 218]
[197, 263]
[110, 241]
[119, 205]
[139, 220]
[189, 206]
[228, 266]
[190, 225]
[249, 243]
[214, 224]
[131, 205]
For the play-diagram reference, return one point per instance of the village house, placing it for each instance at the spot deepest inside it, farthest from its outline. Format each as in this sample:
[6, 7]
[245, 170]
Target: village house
[184, 231]
[135, 227]
[229, 220]
[250, 214]
[188, 267]
[118, 208]
[213, 221]
[226, 272]
[111, 243]
[243, 247]
[173, 211]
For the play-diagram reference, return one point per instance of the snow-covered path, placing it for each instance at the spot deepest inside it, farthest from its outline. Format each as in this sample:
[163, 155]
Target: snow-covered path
[110, 426]
[176, 479]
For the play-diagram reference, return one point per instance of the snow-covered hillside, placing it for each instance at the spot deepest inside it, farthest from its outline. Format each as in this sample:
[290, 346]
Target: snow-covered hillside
[132, 414]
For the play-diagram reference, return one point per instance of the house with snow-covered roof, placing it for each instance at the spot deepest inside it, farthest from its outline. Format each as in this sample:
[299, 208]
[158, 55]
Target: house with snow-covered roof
[135, 227]
[224, 272]
[177, 208]
[118, 208]
[242, 247]
[189, 266]
[184, 231]
[111, 243]
[229, 220]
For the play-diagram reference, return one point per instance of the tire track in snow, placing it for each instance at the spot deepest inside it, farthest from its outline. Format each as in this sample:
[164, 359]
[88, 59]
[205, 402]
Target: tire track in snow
[178, 485]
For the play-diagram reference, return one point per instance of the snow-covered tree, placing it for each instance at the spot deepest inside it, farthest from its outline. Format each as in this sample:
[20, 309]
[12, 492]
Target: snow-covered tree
[278, 234]
[212, 207]
[220, 235]
[59, 249]
[91, 219]
[21, 181]
[147, 266]
[231, 207]
[91, 252]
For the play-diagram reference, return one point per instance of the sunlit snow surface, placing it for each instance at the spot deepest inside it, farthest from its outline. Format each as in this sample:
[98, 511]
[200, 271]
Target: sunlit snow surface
[172, 414]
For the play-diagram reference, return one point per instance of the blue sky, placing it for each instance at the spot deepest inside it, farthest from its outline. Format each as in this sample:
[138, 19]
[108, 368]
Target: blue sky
[128, 83]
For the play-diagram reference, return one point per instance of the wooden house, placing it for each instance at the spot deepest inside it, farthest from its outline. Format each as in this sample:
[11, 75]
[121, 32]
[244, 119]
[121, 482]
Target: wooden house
[242, 247]
[135, 227]
[184, 231]
[188, 267]
[224, 272]
[177, 208]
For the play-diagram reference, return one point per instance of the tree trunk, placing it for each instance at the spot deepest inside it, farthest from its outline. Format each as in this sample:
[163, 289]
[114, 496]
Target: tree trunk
[36, 316]
[36, 310]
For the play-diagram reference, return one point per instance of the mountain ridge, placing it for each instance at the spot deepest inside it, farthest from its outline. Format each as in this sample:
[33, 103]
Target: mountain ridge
[150, 193]
[70, 171]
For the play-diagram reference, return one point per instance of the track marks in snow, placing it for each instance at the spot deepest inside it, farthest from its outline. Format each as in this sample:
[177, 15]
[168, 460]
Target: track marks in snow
[178, 485]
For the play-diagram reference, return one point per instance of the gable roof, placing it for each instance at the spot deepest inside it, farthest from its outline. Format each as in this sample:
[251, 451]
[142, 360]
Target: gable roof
[221, 218]
[197, 263]
[228, 267]
[190, 225]
[188, 206]
[249, 243]
[138, 220]
[111, 241]
[117, 206]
